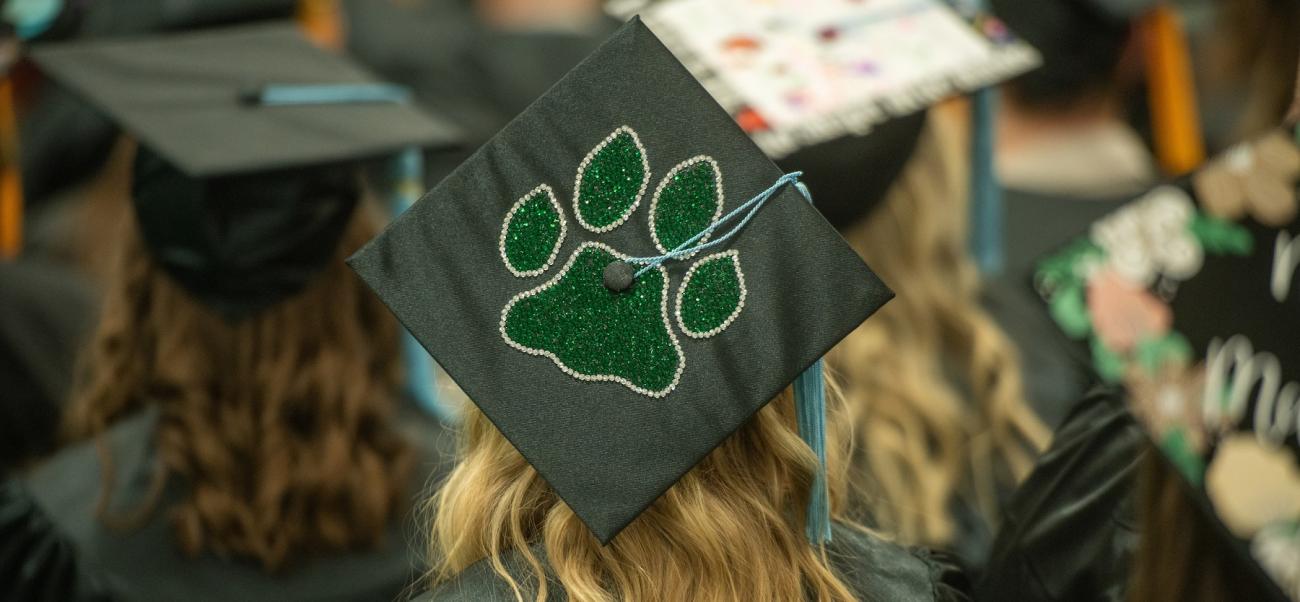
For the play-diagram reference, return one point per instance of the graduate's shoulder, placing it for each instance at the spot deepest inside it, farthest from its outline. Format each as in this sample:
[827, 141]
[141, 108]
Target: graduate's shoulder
[878, 569]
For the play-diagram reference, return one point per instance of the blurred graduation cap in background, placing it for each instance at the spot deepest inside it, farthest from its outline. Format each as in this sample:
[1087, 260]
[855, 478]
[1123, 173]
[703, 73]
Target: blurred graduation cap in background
[839, 89]
[63, 140]
[620, 279]
[238, 128]
[1188, 296]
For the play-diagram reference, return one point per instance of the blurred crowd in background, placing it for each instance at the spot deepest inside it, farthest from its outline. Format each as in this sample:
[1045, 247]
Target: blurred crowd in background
[294, 450]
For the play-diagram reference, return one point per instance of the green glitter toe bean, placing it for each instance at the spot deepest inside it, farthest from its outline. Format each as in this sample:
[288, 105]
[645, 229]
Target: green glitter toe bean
[532, 233]
[611, 181]
[712, 295]
[686, 202]
[594, 334]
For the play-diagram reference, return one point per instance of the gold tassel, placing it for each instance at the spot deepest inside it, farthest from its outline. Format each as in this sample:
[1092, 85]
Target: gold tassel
[11, 189]
[322, 20]
[1180, 147]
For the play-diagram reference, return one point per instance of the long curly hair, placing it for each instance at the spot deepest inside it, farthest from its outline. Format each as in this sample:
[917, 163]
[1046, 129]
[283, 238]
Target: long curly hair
[731, 529]
[279, 425]
[933, 383]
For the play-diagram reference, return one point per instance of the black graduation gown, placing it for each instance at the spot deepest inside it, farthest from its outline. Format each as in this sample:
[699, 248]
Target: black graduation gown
[1056, 370]
[36, 561]
[1069, 532]
[45, 313]
[55, 510]
[875, 569]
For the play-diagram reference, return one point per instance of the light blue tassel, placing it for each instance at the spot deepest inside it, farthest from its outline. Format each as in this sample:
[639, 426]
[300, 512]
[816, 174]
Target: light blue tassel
[809, 388]
[810, 405]
[277, 95]
[421, 378]
[31, 18]
[986, 193]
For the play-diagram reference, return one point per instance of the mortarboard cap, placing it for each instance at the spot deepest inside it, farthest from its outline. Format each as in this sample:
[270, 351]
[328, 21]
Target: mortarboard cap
[796, 73]
[838, 90]
[1189, 296]
[191, 98]
[63, 139]
[237, 186]
[613, 385]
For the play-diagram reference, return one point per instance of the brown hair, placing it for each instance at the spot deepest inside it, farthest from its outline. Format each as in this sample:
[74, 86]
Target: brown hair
[934, 384]
[1257, 42]
[279, 424]
[1180, 555]
[730, 529]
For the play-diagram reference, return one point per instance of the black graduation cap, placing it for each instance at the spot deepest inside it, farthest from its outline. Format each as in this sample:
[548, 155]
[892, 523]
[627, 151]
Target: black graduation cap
[238, 184]
[511, 273]
[1189, 296]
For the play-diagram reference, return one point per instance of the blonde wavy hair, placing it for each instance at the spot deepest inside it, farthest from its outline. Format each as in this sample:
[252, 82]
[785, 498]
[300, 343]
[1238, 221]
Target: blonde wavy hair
[933, 384]
[279, 425]
[731, 529]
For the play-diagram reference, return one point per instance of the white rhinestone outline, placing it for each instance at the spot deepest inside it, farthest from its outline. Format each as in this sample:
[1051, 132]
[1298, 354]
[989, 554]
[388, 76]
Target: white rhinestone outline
[559, 242]
[663, 311]
[582, 168]
[681, 294]
[717, 211]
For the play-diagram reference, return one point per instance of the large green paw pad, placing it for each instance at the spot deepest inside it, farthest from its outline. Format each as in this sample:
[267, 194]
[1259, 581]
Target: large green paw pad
[594, 334]
[532, 233]
[611, 181]
[711, 295]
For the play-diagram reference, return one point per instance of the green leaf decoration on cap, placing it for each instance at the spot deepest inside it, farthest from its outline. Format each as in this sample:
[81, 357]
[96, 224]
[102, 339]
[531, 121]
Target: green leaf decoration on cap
[712, 295]
[611, 181]
[532, 233]
[687, 200]
[1221, 236]
[591, 331]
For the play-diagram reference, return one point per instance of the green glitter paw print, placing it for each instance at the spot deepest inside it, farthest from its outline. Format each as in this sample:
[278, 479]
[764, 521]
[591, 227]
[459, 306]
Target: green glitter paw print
[594, 333]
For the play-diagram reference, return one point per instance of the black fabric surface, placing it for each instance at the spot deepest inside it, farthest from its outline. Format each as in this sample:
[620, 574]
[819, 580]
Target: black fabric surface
[146, 564]
[63, 141]
[45, 315]
[36, 563]
[850, 175]
[242, 243]
[1069, 532]
[874, 569]
[101, 18]
[1056, 370]
[1231, 295]
[606, 450]
[477, 77]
